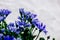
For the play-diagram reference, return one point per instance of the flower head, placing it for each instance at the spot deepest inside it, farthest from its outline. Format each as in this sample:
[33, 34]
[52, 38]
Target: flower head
[28, 16]
[4, 13]
[8, 37]
[2, 18]
[12, 27]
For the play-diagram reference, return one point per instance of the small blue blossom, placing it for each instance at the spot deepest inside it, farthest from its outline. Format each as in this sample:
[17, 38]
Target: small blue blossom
[11, 24]
[40, 26]
[27, 14]
[4, 13]
[14, 28]
[35, 22]
[45, 31]
[33, 16]
[27, 17]
[27, 25]
[24, 24]
[1, 35]
[18, 31]
[19, 23]
[21, 18]
[8, 37]
[2, 18]
[11, 27]
[21, 11]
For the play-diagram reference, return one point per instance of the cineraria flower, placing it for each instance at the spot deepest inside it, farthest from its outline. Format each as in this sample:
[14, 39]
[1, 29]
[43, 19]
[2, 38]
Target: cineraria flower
[22, 29]
[12, 27]
[19, 23]
[4, 13]
[8, 37]
[33, 16]
[1, 35]
[40, 26]
[1, 18]
[22, 23]
[29, 15]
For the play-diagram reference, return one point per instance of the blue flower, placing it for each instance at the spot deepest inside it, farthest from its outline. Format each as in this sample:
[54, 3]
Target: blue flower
[45, 31]
[35, 22]
[19, 23]
[27, 25]
[27, 14]
[11, 24]
[12, 27]
[17, 31]
[23, 23]
[8, 37]
[1, 35]
[30, 16]
[21, 18]
[33, 16]
[2, 18]
[3, 14]
[39, 25]
[21, 11]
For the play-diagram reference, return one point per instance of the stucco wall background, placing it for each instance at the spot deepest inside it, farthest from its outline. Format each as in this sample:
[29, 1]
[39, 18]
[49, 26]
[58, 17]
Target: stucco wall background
[48, 12]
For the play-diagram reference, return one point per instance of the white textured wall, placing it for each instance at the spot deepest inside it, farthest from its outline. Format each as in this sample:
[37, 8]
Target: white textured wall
[48, 12]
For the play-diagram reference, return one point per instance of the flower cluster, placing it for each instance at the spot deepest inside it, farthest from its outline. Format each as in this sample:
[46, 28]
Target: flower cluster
[4, 13]
[31, 18]
[22, 28]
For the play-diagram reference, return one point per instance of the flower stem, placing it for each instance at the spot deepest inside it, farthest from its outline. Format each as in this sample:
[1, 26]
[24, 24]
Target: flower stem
[37, 36]
[34, 30]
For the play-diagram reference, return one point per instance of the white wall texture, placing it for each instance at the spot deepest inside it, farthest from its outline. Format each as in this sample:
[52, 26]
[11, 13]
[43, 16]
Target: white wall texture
[48, 12]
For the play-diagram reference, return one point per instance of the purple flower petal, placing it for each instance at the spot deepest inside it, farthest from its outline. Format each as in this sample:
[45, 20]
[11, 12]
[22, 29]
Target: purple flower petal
[2, 18]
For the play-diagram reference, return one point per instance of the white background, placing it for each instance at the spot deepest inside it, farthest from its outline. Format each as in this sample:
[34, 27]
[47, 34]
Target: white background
[48, 12]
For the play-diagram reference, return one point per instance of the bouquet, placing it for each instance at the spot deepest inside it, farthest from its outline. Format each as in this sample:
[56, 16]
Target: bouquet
[22, 28]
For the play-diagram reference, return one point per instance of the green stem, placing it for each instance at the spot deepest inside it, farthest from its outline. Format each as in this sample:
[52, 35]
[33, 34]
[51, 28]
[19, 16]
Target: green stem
[37, 36]
[34, 30]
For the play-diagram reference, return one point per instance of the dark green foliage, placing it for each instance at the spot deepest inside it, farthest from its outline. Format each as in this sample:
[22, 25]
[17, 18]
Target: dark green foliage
[27, 35]
[41, 38]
